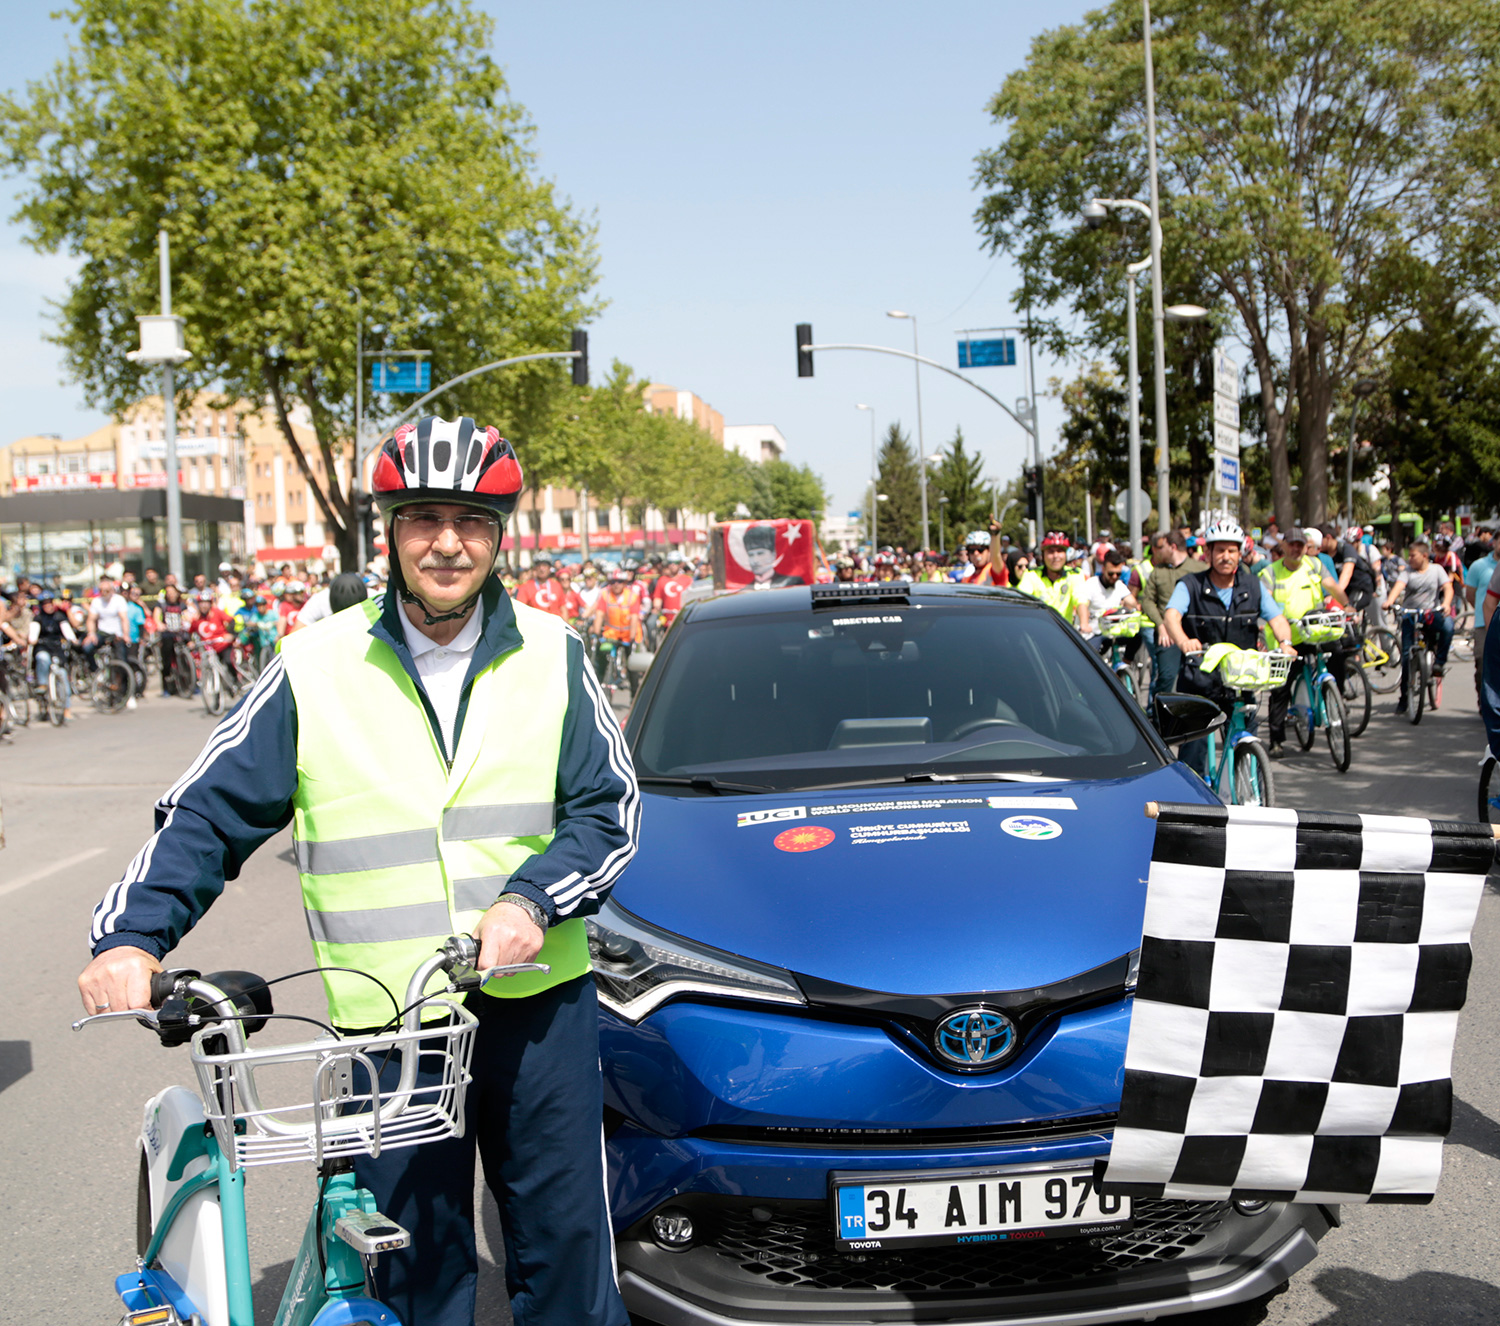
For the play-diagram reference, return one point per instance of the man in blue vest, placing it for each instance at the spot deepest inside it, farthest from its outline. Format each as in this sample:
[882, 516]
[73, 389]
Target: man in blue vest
[449, 761]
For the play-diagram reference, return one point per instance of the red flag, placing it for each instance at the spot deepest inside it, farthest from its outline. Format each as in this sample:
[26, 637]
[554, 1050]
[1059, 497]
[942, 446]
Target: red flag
[763, 554]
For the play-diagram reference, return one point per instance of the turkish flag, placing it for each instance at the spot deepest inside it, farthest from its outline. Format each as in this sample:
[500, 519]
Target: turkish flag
[763, 554]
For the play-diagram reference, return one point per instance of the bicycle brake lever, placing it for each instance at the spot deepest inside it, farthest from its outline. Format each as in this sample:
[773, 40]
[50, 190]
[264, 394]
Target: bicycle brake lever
[145, 1016]
[472, 980]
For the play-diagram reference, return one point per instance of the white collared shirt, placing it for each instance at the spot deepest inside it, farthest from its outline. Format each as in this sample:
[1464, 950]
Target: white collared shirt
[443, 668]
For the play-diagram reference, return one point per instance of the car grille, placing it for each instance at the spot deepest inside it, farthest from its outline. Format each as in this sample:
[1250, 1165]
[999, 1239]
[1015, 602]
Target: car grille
[795, 1249]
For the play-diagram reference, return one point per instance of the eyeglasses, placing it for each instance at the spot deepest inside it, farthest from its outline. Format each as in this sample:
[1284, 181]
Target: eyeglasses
[430, 525]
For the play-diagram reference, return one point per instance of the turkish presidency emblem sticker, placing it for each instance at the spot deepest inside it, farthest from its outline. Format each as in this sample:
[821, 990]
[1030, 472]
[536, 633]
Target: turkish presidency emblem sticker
[1036, 828]
[807, 838]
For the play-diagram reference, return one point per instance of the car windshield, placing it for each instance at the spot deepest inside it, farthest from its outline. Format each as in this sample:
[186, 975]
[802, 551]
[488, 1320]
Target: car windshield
[848, 695]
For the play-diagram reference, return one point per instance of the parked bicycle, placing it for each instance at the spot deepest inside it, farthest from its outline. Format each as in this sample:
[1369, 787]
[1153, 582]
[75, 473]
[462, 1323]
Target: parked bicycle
[193, 1257]
[1317, 700]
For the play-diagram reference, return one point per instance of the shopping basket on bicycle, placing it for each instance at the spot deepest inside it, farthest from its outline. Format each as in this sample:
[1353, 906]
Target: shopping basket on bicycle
[1320, 628]
[264, 1110]
[1247, 669]
[1122, 625]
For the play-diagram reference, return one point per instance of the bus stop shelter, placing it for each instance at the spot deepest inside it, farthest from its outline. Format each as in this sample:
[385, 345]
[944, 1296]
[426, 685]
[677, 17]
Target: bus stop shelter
[70, 536]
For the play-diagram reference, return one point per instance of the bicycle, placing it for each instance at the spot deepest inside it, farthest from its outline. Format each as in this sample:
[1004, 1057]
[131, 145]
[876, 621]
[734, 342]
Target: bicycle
[112, 686]
[17, 691]
[1417, 660]
[1242, 769]
[49, 697]
[1316, 699]
[616, 674]
[1134, 675]
[193, 1257]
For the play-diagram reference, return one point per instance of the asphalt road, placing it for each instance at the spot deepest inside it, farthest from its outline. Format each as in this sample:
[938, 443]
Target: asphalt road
[77, 806]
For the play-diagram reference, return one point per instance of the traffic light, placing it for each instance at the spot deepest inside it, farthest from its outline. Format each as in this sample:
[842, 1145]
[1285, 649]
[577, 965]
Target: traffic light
[1032, 477]
[804, 356]
[581, 364]
[364, 513]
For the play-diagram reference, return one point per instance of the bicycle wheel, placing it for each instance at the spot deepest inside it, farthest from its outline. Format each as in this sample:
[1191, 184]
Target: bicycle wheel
[1416, 696]
[1358, 699]
[1489, 793]
[18, 699]
[55, 698]
[1336, 724]
[1300, 711]
[1125, 675]
[1381, 659]
[183, 675]
[114, 684]
[80, 675]
[213, 686]
[1253, 783]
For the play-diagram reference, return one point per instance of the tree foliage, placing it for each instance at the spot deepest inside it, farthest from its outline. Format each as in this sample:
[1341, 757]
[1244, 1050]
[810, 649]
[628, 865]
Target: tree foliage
[1320, 162]
[314, 162]
[899, 519]
[777, 489]
[958, 477]
[1435, 421]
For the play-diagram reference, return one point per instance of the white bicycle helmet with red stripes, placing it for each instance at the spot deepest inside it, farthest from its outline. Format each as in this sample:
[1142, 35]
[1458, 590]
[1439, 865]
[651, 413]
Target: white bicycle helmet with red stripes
[442, 460]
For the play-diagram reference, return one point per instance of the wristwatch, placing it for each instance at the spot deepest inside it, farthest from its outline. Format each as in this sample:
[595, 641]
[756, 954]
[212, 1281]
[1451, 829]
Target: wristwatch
[537, 915]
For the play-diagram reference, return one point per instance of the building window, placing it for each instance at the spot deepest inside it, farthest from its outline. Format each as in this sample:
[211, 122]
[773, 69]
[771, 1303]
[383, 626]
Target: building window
[267, 535]
[299, 533]
[567, 520]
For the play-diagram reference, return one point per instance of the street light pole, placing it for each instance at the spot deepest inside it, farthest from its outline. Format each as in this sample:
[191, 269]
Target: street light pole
[1362, 388]
[874, 477]
[1132, 514]
[1158, 315]
[921, 444]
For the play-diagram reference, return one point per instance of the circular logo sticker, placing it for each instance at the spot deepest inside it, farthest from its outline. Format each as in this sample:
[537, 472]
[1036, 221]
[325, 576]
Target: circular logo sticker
[806, 838]
[1034, 827]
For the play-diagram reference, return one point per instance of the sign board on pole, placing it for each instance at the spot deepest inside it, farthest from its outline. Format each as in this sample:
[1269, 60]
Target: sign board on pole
[1227, 474]
[1227, 410]
[1226, 376]
[406, 375]
[1143, 507]
[987, 354]
[1226, 438]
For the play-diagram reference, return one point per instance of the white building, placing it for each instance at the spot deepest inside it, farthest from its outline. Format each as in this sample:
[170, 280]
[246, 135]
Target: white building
[840, 530]
[755, 442]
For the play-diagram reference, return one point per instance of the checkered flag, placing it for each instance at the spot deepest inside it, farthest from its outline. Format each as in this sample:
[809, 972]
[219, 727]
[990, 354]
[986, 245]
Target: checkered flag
[1300, 981]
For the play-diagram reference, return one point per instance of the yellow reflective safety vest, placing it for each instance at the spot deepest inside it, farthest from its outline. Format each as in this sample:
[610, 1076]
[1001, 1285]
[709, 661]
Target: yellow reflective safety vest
[1062, 595]
[1298, 592]
[395, 850]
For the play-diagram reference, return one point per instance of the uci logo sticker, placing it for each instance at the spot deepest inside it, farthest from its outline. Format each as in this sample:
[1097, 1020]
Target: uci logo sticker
[768, 816]
[1036, 828]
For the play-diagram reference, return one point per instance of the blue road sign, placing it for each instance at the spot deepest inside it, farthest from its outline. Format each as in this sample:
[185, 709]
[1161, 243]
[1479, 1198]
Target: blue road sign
[987, 354]
[1227, 476]
[406, 375]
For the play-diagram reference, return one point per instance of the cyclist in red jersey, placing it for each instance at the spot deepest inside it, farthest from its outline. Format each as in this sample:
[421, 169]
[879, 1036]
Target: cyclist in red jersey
[667, 596]
[548, 592]
[213, 625]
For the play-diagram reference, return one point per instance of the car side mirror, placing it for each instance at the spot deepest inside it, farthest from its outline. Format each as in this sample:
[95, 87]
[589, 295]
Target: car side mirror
[1180, 718]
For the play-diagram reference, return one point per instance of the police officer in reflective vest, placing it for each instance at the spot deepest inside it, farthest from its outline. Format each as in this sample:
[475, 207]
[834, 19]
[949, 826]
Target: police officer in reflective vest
[1221, 605]
[449, 764]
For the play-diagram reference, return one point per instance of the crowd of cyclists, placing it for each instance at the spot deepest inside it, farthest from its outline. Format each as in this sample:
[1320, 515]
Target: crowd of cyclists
[210, 638]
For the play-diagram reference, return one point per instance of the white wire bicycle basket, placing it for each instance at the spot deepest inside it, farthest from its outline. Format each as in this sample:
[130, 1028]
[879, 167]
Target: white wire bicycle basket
[342, 1111]
[1320, 628]
[1252, 670]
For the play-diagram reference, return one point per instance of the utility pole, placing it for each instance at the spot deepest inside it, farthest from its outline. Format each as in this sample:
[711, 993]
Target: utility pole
[161, 343]
[1158, 314]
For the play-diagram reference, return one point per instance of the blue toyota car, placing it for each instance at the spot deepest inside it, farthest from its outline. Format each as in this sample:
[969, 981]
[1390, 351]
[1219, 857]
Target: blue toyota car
[867, 985]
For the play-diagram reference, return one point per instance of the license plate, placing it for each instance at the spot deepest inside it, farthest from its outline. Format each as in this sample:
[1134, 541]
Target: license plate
[925, 1209]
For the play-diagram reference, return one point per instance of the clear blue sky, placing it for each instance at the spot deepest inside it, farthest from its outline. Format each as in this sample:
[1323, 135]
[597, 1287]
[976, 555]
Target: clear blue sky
[750, 167]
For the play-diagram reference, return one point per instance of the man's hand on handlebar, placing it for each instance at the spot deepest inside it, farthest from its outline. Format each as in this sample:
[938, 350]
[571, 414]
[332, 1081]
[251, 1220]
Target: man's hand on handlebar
[120, 979]
[1189, 645]
[506, 936]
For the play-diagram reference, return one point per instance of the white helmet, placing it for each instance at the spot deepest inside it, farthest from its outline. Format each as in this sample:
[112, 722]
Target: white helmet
[1223, 529]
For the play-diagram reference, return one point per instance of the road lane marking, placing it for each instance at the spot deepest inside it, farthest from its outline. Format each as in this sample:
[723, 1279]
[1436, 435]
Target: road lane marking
[12, 885]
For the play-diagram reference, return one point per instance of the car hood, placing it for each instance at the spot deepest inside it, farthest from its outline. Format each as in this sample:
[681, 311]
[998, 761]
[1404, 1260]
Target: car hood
[941, 889]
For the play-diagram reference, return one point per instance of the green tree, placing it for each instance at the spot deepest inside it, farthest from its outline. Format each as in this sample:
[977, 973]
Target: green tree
[1436, 419]
[900, 515]
[958, 477]
[314, 162]
[777, 489]
[1319, 161]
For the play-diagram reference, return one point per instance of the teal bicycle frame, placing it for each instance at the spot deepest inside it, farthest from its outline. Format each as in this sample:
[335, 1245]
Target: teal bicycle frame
[1221, 761]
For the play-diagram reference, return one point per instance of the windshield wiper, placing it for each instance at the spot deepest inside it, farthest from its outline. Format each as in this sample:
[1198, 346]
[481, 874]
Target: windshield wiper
[926, 776]
[703, 783]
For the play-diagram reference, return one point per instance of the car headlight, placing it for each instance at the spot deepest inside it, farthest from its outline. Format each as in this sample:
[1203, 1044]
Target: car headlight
[637, 967]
